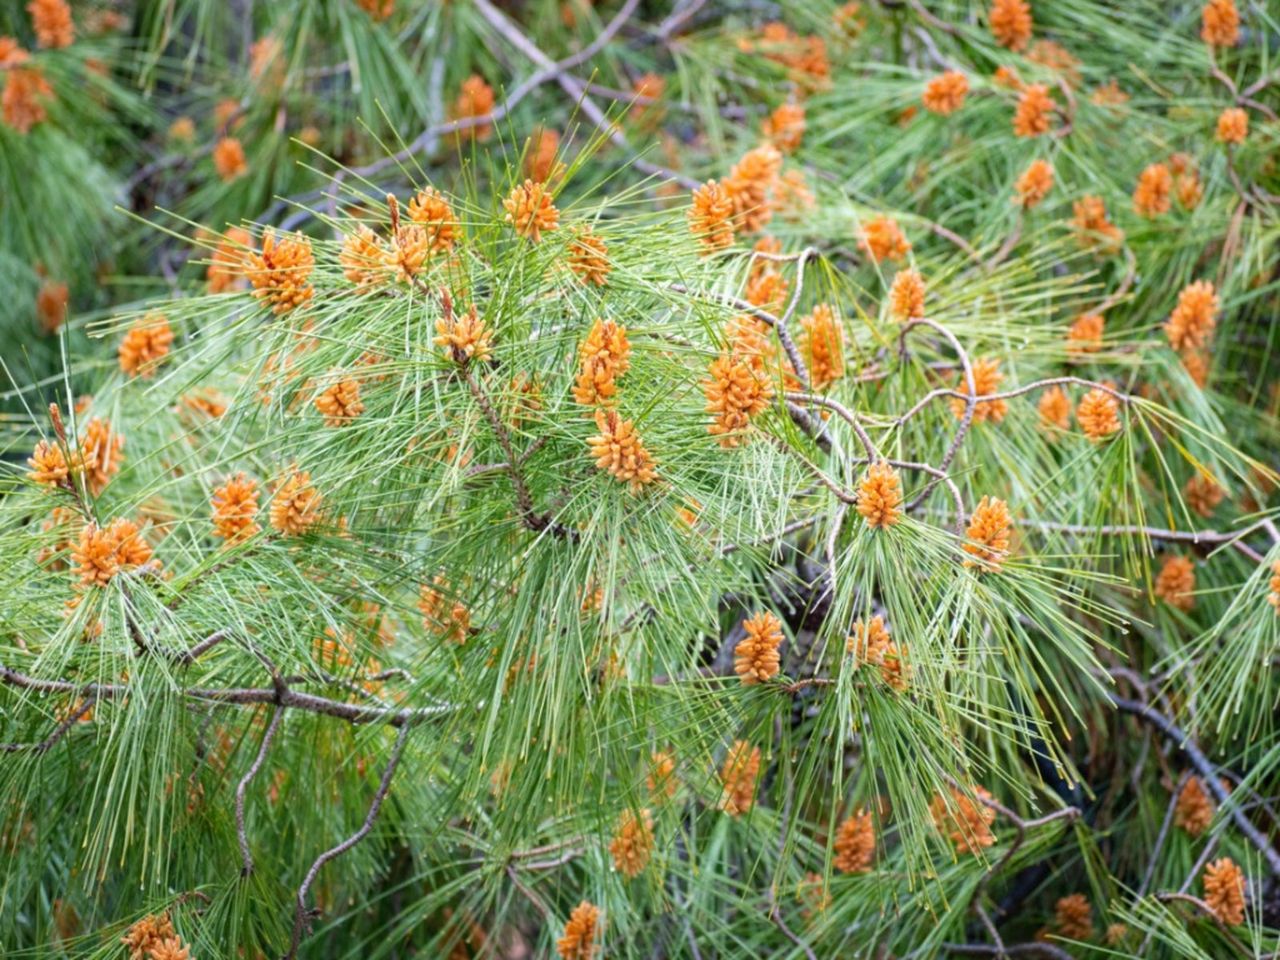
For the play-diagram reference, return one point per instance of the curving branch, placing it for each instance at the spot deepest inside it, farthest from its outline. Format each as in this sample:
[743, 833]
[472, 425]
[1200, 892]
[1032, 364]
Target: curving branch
[302, 914]
[244, 697]
[245, 855]
[1197, 537]
[1205, 767]
[784, 335]
[970, 399]
[58, 733]
[577, 90]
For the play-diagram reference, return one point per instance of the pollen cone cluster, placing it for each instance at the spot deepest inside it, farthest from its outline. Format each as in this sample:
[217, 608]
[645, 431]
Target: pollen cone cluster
[1155, 186]
[103, 552]
[711, 216]
[464, 337]
[1193, 811]
[25, 94]
[603, 356]
[295, 508]
[445, 617]
[148, 933]
[618, 449]
[784, 128]
[1010, 22]
[1233, 125]
[632, 843]
[1098, 415]
[1176, 582]
[1033, 116]
[48, 464]
[736, 390]
[986, 380]
[906, 296]
[52, 23]
[475, 100]
[1093, 229]
[430, 211]
[530, 210]
[580, 933]
[281, 272]
[145, 344]
[945, 93]
[1192, 321]
[229, 159]
[1073, 917]
[100, 454]
[363, 258]
[756, 657]
[880, 496]
[883, 239]
[1224, 891]
[855, 845]
[738, 777]
[822, 339]
[750, 184]
[235, 509]
[589, 258]
[1085, 333]
[1055, 409]
[226, 269]
[1203, 494]
[988, 534]
[340, 402]
[1034, 184]
[1220, 23]
[964, 820]
[872, 644]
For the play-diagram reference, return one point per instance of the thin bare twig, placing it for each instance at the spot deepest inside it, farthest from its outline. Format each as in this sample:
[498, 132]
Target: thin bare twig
[243, 697]
[784, 335]
[844, 413]
[245, 855]
[1205, 767]
[576, 89]
[58, 733]
[678, 18]
[1209, 912]
[970, 399]
[1161, 837]
[302, 914]
[1198, 537]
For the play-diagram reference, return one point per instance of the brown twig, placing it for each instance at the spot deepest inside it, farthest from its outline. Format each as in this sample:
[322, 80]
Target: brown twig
[784, 335]
[1208, 772]
[577, 90]
[1209, 912]
[245, 855]
[1131, 271]
[243, 697]
[844, 413]
[529, 895]
[58, 733]
[548, 73]
[1161, 836]
[1198, 537]
[531, 518]
[302, 914]
[970, 399]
